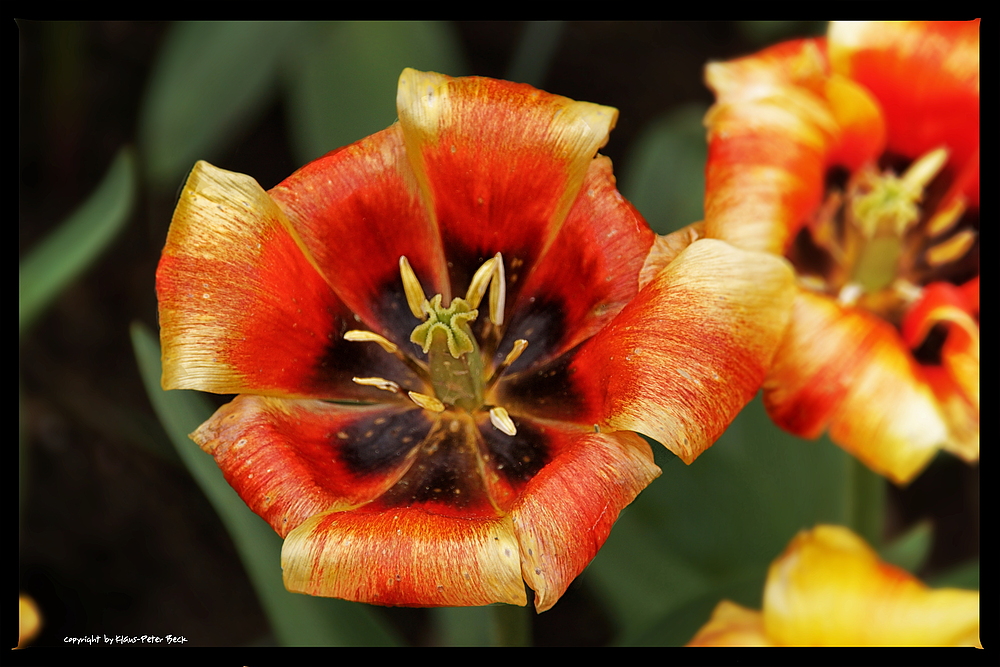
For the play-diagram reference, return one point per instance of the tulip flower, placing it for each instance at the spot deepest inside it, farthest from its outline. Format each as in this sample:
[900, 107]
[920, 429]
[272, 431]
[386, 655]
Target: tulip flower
[829, 588]
[445, 337]
[856, 157]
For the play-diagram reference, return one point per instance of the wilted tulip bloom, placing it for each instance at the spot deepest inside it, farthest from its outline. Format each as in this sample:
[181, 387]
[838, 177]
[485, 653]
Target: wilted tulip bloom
[445, 337]
[857, 158]
[829, 588]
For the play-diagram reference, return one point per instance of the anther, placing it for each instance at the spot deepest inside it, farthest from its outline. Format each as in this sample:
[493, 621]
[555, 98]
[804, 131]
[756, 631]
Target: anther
[952, 249]
[426, 402]
[498, 292]
[502, 421]
[946, 217]
[380, 383]
[480, 281]
[415, 297]
[356, 335]
[923, 171]
[511, 357]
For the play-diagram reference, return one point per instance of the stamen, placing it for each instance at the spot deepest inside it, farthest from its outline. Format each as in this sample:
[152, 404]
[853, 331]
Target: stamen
[946, 217]
[498, 292]
[511, 357]
[426, 402]
[356, 335]
[952, 249]
[480, 281]
[380, 383]
[923, 171]
[502, 421]
[414, 292]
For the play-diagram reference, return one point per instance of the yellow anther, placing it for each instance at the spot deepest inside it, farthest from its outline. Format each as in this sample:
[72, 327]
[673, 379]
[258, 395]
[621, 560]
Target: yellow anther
[946, 217]
[356, 335]
[426, 402]
[480, 281]
[498, 292]
[952, 249]
[379, 383]
[519, 346]
[414, 292]
[923, 171]
[502, 421]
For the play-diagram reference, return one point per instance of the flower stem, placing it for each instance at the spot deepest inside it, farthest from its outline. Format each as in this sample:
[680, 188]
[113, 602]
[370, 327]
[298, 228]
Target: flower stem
[865, 502]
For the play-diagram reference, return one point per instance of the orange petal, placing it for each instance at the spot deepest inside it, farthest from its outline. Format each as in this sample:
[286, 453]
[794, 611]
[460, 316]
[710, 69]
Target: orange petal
[769, 134]
[830, 589]
[358, 210]
[684, 357]
[500, 164]
[242, 308]
[405, 556]
[565, 513]
[585, 278]
[292, 459]
[848, 370]
[732, 625]
[925, 74]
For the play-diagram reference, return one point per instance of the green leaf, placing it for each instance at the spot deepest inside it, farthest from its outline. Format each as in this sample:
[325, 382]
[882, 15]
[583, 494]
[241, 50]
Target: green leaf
[717, 523]
[910, 550]
[297, 620]
[210, 81]
[962, 576]
[664, 175]
[342, 77]
[70, 250]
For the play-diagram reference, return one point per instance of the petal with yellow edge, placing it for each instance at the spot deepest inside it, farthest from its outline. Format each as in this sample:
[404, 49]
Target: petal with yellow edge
[684, 357]
[242, 308]
[492, 185]
[423, 559]
[560, 522]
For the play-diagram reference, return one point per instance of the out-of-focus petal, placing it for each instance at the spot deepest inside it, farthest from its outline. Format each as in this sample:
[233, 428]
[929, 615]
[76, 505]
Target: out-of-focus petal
[769, 134]
[566, 511]
[732, 625]
[846, 369]
[493, 185]
[925, 74]
[829, 588]
[405, 556]
[690, 350]
[292, 459]
[242, 308]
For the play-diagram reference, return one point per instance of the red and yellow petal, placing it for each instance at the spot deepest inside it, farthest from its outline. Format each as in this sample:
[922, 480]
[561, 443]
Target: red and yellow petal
[357, 211]
[925, 74]
[405, 556]
[683, 358]
[829, 588]
[500, 165]
[242, 308]
[565, 513]
[769, 135]
[293, 459]
[586, 277]
[847, 370]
